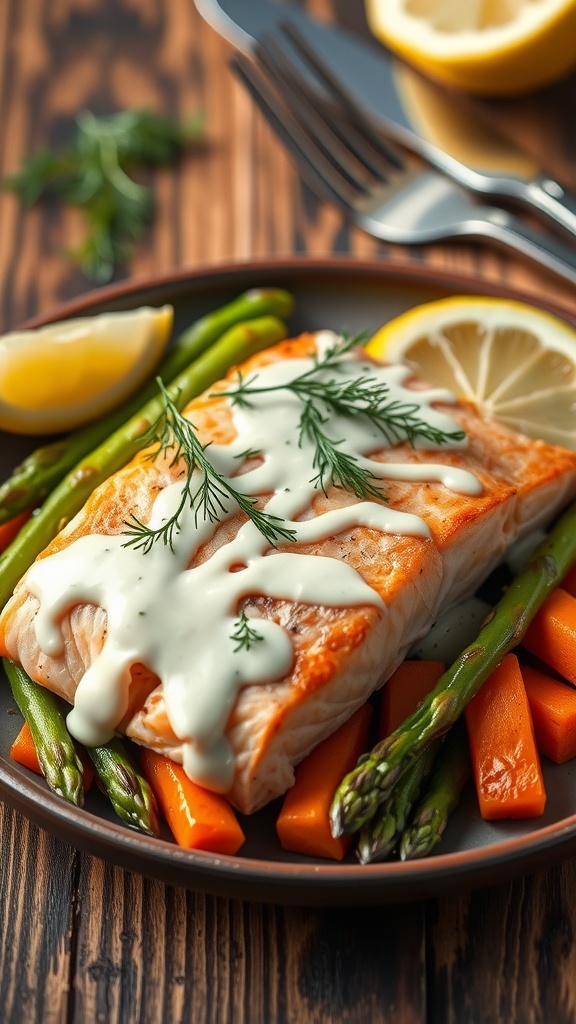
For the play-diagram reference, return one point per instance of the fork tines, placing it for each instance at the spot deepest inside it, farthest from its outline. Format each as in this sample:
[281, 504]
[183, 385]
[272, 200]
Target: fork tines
[341, 156]
[337, 91]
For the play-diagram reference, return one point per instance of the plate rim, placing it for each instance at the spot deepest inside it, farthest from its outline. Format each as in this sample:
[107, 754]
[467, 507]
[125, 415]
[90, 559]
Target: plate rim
[407, 271]
[248, 878]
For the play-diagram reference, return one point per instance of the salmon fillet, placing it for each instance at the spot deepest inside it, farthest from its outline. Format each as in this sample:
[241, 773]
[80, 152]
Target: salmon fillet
[340, 654]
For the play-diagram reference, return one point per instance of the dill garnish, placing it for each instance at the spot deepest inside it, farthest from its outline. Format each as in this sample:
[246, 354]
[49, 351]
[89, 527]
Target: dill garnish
[361, 396]
[206, 491]
[244, 635]
[334, 465]
[209, 494]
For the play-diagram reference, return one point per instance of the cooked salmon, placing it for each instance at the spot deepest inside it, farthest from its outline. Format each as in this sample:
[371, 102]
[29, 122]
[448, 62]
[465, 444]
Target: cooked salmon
[341, 654]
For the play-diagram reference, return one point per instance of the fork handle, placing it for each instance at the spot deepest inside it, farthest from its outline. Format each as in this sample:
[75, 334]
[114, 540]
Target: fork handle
[509, 231]
[550, 199]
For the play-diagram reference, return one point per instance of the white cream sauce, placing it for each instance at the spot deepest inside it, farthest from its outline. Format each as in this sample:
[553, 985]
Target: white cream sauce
[179, 621]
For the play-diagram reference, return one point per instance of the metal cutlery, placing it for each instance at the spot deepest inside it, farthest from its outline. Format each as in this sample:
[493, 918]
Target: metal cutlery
[346, 160]
[378, 82]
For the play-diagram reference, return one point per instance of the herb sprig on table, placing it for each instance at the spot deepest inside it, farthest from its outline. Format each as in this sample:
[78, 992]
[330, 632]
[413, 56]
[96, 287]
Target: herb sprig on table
[94, 173]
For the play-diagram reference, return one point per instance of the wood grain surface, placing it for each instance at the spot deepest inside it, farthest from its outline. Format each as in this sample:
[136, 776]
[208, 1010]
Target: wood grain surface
[80, 940]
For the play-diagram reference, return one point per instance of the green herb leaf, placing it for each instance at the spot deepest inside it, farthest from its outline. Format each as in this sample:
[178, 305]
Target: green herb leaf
[208, 493]
[92, 173]
[361, 396]
[205, 490]
[244, 636]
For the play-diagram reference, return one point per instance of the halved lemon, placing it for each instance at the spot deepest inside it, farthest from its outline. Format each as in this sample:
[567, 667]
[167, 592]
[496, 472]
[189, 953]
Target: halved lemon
[513, 361]
[61, 376]
[487, 47]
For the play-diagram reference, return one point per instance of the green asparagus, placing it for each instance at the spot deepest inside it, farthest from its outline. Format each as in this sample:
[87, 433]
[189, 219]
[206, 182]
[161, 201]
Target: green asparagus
[67, 498]
[116, 772]
[60, 764]
[130, 795]
[379, 837]
[452, 770]
[45, 467]
[370, 783]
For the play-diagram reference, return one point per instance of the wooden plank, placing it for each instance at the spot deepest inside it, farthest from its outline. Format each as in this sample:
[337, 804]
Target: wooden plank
[149, 952]
[37, 890]
[507, 953]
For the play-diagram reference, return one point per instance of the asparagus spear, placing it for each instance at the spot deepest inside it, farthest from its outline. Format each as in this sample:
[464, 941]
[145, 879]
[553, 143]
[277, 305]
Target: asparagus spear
[370, 783]
[379, 837]
[39, 473]
[451, 772]
[127, 790]
[60, 764]
[116, 772]
[70, 494]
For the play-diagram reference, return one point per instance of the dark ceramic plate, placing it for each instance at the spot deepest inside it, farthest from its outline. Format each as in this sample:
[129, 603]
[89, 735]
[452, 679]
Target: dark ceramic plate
[342, 295]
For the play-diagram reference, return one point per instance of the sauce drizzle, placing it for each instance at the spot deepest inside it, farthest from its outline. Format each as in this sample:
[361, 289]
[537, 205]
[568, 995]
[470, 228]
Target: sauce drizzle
[180, 620]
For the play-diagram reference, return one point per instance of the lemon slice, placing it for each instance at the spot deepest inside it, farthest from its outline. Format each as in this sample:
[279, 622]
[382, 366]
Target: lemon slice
[60, 376]
[487, 47]
[516, 363]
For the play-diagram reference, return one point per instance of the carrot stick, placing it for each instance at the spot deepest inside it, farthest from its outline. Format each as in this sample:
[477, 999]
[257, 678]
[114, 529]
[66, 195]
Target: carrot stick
[505, 760]
[11, 528]
[404, 690]
[303, 825]
[553, 709]
[198, 819]
[24, 752]
[551, 635]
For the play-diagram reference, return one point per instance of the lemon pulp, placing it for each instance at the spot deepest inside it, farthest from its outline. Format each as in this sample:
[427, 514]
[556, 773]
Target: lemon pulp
[487, 47]
[514, 362]
[60, 376]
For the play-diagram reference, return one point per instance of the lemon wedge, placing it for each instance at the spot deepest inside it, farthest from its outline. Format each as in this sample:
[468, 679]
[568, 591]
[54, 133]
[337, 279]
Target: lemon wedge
[58, 377]
[486, 47]
[514, 362]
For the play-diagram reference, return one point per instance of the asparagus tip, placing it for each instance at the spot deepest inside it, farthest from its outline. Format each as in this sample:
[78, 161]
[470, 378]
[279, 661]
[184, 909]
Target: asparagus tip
[418, 842]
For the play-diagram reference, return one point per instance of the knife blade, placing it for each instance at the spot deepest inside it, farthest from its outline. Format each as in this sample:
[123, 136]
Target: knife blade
[409, 109]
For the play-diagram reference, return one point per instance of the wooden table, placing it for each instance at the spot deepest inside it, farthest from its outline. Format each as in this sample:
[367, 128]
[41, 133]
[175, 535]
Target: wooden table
[83, 941]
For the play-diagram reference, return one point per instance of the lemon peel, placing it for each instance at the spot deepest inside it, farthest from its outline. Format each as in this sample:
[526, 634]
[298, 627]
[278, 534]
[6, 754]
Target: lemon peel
[514, 362]
[60, 376]
[485, 47]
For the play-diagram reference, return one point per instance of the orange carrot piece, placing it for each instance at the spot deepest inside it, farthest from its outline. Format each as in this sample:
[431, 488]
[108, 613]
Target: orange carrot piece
[10, 529]
[405, 690]
[198, 818]
[505, 760]
[24, 752]
[551, 635]
[553, 709]
[303, 825]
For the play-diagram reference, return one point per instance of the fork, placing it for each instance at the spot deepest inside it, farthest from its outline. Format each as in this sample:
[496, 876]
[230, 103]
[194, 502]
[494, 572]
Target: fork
[347, 161]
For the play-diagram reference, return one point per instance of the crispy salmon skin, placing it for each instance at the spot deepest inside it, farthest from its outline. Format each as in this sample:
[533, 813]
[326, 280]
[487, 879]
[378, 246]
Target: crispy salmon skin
[340, 654]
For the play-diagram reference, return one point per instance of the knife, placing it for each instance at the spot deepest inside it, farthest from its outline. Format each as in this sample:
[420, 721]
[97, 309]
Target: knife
[409, 109]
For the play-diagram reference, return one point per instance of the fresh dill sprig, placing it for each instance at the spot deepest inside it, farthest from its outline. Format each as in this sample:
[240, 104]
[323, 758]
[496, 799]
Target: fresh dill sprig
[208, 496]
[334, 465]
[244, 636]
[361, 396]
[94, 173]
